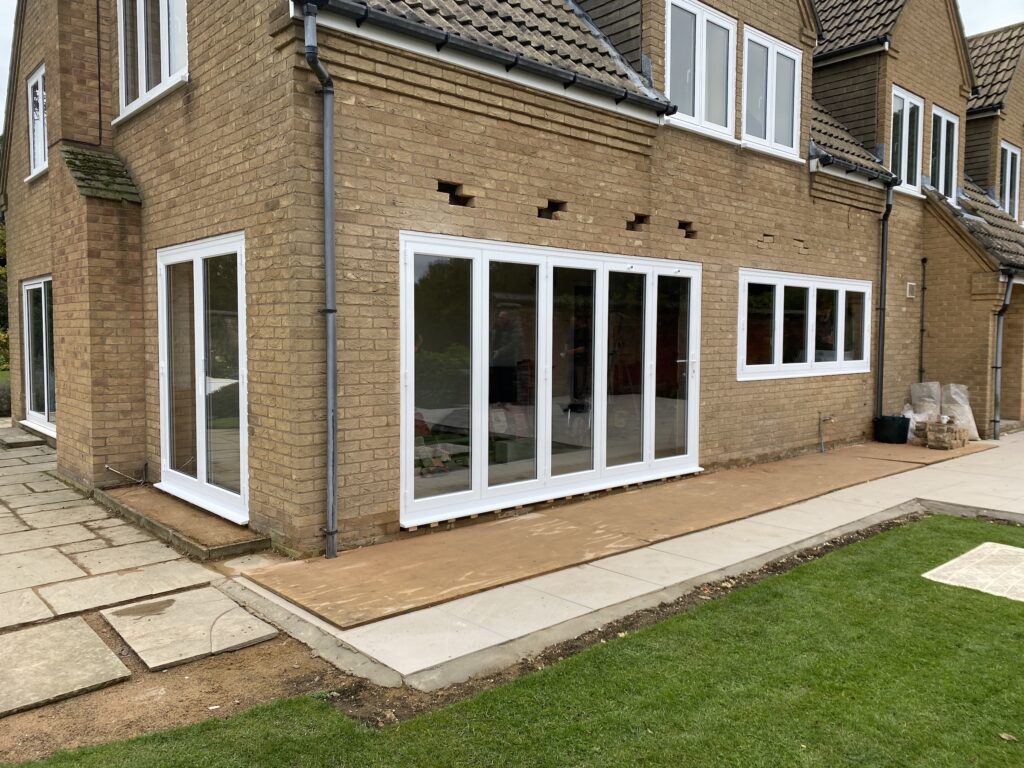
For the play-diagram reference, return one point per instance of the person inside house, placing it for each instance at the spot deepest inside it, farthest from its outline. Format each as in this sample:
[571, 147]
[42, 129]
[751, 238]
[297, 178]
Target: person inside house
[506, 340]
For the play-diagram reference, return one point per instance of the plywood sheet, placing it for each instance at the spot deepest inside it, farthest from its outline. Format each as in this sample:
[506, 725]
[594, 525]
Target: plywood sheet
[365, 585]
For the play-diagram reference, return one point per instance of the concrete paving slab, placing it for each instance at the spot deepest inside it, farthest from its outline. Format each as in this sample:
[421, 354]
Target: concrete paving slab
[817, 515]
[717, 547]
[593, 587]
[35, 567]
[21, 607]
[996, 569]
[50, 518]
[514, 610]
[122, 558]
[109, 522]
[43, 486]
[420, 640]
[83, 546]
[54, 661]
[238, 566]
[44, 537]
[186, 626]
[24, 440]
[113, 588]
[123, 534]
[661, 568]
[11, 524]
[75, 504]
[34, 499]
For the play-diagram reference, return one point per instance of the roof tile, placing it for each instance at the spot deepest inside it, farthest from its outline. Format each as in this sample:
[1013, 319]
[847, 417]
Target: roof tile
[100, 174]
[846, 23]
[990, 225]
[829, 135]
[995, 57]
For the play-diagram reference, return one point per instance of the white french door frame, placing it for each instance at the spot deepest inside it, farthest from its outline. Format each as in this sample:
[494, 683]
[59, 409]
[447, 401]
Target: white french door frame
[484, 498]
[39, 420]
[196, 490]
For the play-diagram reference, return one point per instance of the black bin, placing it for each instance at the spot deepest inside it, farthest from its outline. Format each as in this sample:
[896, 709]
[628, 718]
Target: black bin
[892, 429]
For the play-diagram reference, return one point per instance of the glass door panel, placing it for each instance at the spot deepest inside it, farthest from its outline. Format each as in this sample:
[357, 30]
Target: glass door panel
[572, 370]
[51, 388]
[443, 396]
[624, 443]
[512, 373]
[223, 440]
[671, 375]
[36, 351]
[181, 358]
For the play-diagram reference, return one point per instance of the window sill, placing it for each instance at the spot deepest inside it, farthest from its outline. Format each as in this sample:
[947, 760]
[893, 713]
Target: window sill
[144, 102]
[801, 374]
[791, 157]
[36, 174]
[711, 133]
[910, 192]
[48, 430]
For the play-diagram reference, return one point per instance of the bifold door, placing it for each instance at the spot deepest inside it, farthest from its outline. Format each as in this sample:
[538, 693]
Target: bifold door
[537, 373]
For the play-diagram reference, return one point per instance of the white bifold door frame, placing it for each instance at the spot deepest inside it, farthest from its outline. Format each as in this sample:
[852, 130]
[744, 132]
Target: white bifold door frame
[40, 384]
[203, 380]
[543, 373]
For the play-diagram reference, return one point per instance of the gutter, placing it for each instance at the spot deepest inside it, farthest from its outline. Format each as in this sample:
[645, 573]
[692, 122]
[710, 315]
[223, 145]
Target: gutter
[825, 160]
[330, 311]
[874, 45]
[362, 13]
[997, 394]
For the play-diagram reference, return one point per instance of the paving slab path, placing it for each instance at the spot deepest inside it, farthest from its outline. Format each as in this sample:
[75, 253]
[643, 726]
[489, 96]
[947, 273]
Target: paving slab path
[61, 556]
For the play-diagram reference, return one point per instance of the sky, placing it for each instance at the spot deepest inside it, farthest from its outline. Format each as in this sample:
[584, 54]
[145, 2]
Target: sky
[978, 16]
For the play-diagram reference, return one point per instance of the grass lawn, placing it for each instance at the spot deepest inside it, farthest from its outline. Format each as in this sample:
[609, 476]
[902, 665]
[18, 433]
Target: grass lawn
[852, 660]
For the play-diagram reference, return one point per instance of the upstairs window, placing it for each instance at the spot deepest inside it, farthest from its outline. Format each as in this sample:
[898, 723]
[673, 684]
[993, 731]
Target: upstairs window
[38, 151]
[1009, 180]
[945, 148]
[702, 66]
[154, 47]
[906, 139]
[771, 92]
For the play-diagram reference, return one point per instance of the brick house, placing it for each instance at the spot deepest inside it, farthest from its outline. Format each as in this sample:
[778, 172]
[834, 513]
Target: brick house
[579, 245]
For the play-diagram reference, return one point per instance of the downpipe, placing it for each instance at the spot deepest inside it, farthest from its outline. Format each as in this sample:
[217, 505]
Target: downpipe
[883, 282]
[330, 310]
[997, 395]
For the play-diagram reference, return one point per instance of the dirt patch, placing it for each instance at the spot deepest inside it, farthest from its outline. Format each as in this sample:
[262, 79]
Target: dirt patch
[228, 684]
[219, 686]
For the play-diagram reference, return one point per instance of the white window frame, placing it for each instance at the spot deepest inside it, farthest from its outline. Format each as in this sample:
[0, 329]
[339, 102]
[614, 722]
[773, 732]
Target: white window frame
[697, 122]
[775, 47]
[168, 80]
[909, 100]
[1005, 193]
[38, 139]
[195, 490]
[780, 370]
[481, 497]
[39, 421]
[939, 183]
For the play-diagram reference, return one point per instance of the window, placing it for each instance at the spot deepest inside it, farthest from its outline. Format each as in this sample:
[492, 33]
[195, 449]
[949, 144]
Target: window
[906, 139]
[38, 151]
[771, 92]
[800, 325]
[531, 373]
[154, 48]
[1009, 180]
[40, 387]
[702, 61]
[945, 148]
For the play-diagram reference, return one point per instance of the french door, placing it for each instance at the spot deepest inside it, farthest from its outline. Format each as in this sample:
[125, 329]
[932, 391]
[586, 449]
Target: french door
[203, 413]
[533, 373]
[40, 387]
